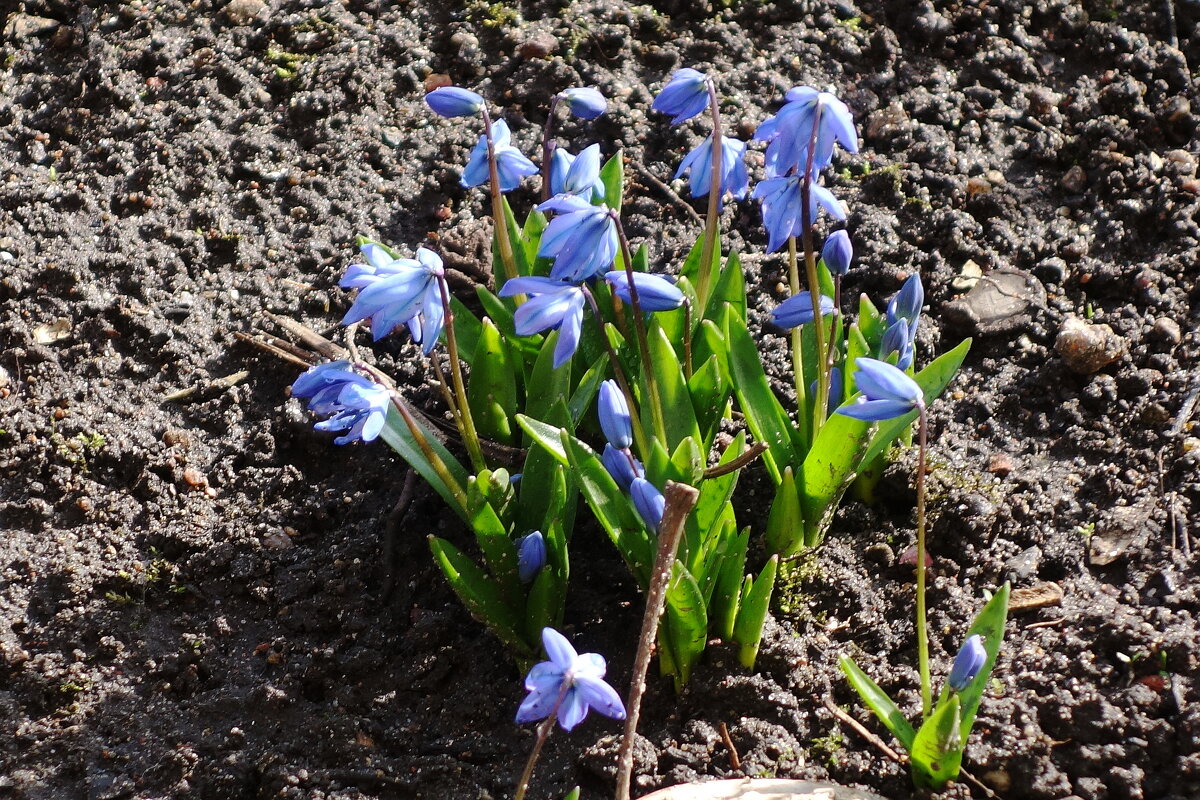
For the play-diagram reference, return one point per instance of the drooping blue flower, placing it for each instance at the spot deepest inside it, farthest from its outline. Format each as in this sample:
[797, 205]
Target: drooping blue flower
[622, 466]
[352, 402]
[585, 102]
[781, 207]
[614, 415]
[582, 239]
[655, 292]
[395, 291]
[837, 252]
[648, 501]
[531, 556]
[568, 683]
[454, 101]
[790, 131]
[896, 340]
[734, 178]
[836, 388]
[511, 165]
[577, 175]
[906, 305]
[684, 96]
[797, 310]
[967, 663]
[887, 392]
[552, 304]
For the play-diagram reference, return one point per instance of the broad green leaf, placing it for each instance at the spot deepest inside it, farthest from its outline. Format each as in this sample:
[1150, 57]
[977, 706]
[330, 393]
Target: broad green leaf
[546, 384]
[730, 289]
[937, 749]
[538, 473]
[728, 595]
[870, 322]
[467, 329]
[549, 437]
[710, 396]
[990, 625]
[785, 524]
[548, 592]
[878, 701]
[711, 343]
[747, 631]
[690, 268]
[572, 795]
[612, 175]
[492, 391]
[765, 417]
[688, 622]
[492, 536]
[535, 225]
[398, 436]
[480, 595]
[586, 391]
[715, 492]
[516, 238]
[828, 470]
[679, 416]
[688, 461]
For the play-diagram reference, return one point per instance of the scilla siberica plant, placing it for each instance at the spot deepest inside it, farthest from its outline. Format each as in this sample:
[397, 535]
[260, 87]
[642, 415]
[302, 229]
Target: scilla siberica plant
[577, 319]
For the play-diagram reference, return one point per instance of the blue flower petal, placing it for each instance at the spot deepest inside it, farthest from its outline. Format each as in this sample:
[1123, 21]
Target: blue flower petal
[561, 653]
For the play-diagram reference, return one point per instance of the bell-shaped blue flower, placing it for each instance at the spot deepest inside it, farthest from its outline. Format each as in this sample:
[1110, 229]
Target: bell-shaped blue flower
[734, 178]
[655, 292]
[585, 102]
[531, 556]
[967, 663]
[352, 402]
[552, 304]
[837, 252]
[684, 96]
[896, 340]
[887, 392]
[622, 466]
[789, 132]
[648, 501]
[511, 165]
[906, 305]
[577, 175]
[614, 415]
[797, 310]
[781, 207]
[569, 684]
[454, 101]
[582, 239]
[396, 291]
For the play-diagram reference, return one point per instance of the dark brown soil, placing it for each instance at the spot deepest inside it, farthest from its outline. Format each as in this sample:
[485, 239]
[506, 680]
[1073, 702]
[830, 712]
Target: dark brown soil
[196, 596]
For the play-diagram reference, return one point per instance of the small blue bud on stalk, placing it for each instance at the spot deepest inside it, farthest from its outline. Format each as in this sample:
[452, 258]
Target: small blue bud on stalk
[837, 252]
[585, 102]
[614, 415]
[649, 502]
[531, 556]
[797, 310]
[454, 101]
[622, 466]
[967, 663]
[887, 392]
[655, 292]
[684, 96]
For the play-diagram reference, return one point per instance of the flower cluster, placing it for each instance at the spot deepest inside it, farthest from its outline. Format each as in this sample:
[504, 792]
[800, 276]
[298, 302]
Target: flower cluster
[352, 402]
[618, 459]
[568, 685]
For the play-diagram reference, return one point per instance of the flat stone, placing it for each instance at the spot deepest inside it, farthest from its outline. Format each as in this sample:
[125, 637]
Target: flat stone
[21, 26]
[1001, 302]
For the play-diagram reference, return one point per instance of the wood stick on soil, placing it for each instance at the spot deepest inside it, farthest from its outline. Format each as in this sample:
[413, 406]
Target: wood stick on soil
[735, 761]
[680, 498]
[858, 728]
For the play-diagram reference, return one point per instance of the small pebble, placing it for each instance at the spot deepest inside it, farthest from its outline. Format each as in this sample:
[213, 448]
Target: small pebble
[538, 45]
[1000, 464]
[244, 12]
[1088, 348]
[1167, 330]
[1075, 180]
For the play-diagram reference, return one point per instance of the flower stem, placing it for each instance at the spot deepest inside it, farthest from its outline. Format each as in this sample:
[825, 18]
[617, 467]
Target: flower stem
[466, 421]
[499, 220]
[680, 500]
[814, 285]
[798, 346]
[543, 733]
[712, 221]
[687, 339]
[922, 627]
[635, 419]
[639, 324]
[548, 147]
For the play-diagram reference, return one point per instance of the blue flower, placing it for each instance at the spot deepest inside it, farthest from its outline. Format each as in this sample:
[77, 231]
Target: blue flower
[454, 101]
[510, 163]
[967, 663]
[896, 340]
[836, 389]
[906, 305]
[568, 684]
[887, 392]
[622, 466]
[552, 304]
[577, 175]
[648, 501]
[395, 291]
[582, 239]
[781, 207]
[684, 96]
[614, 415]
[789, 131]
[531, 556]
[353, 402]
[837, 252]
[797, 310]
[585, 102]
[655, 292]
[734, 178]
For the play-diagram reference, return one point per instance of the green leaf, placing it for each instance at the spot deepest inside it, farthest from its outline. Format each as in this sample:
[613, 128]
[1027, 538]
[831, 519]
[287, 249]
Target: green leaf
[870, 322]
[537, 505]
[612, 175]
[546, 384]
[710, 397]
[688, 462]
[990, 625]
[548, 437]
[765, 417]
[878, 701]
[548, 592]
[492, 536]
[715, 492]
[728, 595]
[467, 329]
[492, 392]
[400, 438]
[572, 795]
[785, 524]
[747, 631]
[480, 595]
[535, 225]
[730, 288]
[516, 237]
[680, 417]
[586, 391]
[687, 622]
[937, 750]
[827, 471]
